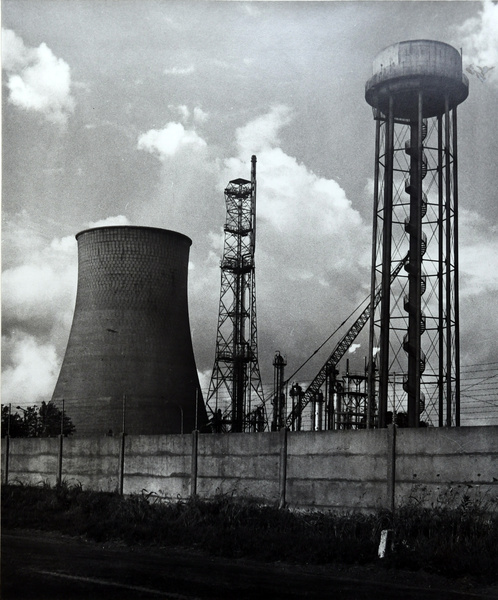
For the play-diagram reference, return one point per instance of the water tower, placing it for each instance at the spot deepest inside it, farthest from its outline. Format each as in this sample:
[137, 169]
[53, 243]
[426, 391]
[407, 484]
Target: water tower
[414, 351]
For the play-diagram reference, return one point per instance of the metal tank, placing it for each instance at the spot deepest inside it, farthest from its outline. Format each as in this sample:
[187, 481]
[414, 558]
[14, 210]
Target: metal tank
[414, 91]
[404, 69]
[129, 364]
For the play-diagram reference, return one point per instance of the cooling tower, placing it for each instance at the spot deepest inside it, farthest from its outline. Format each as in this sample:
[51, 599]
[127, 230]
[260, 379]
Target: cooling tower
[129, 363]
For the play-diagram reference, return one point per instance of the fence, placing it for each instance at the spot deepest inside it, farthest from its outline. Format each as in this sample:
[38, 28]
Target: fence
[339, 470]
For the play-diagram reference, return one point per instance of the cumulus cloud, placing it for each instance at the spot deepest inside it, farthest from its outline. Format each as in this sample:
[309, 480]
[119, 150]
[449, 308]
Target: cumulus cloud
[198, 116]
[311, 241]
[167, 142]
[309, 219]
[37, 80]
[478, 37]
[38, 291]
[186, 188]
[37, 279]
[262, 133]
[33, 373]
[39, 284]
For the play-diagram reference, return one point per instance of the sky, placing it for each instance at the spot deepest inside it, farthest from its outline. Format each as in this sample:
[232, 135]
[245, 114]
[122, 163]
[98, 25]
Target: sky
[140, 112]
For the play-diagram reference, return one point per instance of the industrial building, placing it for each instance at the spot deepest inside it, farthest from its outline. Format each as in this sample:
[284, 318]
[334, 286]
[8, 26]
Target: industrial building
[129, 364]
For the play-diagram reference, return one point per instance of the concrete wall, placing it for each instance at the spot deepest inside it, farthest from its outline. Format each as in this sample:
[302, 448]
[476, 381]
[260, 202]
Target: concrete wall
[341, 470]
[432, 461]
[158, 464]
[31, 460]
[337, 470]
[243, 464]
[93, 462]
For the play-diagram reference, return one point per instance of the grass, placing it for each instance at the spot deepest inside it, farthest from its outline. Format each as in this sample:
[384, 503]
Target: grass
[452, 541]
[456, 534]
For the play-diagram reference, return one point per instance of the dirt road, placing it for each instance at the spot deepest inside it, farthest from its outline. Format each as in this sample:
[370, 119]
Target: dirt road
[41, 566]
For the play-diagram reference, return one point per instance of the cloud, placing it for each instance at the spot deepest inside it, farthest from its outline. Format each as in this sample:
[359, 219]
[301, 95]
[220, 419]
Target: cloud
[37, 80]
[39, 284]
[478, 255]
[33, 373]
[182, 110]
[38, 292]
[262, 133]
[110, 221]
[37, 279]
[308, 218]
[199, 115]
[311, 242]
[204, 380]
[170, 140]
[478, 37]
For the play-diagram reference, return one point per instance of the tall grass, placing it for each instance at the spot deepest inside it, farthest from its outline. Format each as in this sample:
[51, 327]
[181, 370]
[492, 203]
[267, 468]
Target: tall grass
[457, 533]
[444, 539]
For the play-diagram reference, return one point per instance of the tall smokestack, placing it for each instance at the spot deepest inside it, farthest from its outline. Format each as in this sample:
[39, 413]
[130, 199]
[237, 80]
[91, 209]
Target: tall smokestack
[129, 363]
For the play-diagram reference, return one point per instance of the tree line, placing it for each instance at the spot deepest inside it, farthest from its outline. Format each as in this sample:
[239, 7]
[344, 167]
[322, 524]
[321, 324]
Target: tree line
[45, 420]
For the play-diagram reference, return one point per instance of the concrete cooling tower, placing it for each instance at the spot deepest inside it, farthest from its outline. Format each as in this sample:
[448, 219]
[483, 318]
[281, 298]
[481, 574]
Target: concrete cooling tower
[129, 359]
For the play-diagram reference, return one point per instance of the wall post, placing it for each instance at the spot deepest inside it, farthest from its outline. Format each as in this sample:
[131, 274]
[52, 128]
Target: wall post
[7, 448]
[59, 459]
[193, 468]
[7, 453]
[121, 464]
[391, 466]
[283, 467]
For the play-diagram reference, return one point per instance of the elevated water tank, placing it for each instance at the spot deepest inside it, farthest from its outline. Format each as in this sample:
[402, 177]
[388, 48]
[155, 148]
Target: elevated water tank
[129, 359]
[427, 66]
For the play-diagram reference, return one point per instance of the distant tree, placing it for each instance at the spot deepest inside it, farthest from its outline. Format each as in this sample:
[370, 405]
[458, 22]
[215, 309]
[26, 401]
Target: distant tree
[50, 417]
[17, 426]
[43, 421]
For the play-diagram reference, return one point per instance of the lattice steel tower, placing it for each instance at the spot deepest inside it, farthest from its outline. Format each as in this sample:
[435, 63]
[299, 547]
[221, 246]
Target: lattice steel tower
[235, 386]
[414, 91]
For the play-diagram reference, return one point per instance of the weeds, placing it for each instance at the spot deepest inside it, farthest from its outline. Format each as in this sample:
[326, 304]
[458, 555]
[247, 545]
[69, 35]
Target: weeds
[456, 536]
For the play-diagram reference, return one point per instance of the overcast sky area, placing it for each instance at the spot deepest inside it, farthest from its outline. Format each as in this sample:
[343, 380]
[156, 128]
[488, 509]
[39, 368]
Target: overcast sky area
[141, 111]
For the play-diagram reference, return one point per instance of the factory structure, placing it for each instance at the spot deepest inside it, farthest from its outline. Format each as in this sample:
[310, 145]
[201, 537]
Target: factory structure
[414, 92]
[129, 364]
[235, 386]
